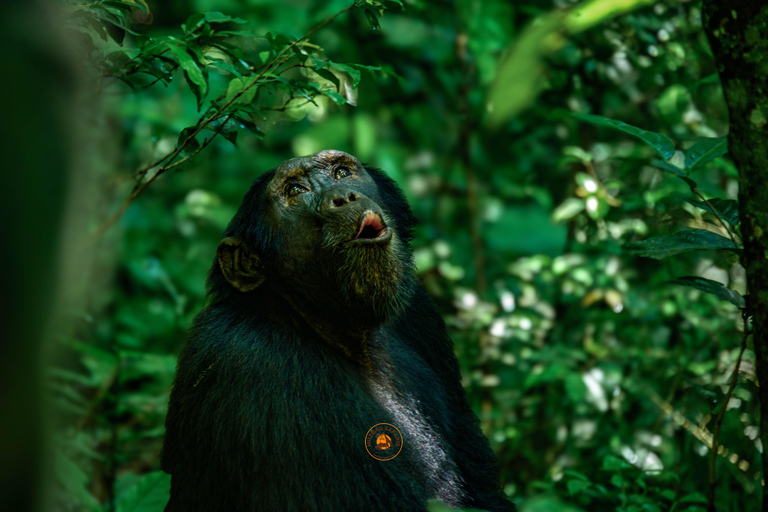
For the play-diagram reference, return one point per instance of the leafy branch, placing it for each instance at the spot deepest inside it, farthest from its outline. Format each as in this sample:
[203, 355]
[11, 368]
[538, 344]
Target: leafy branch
[208, 42]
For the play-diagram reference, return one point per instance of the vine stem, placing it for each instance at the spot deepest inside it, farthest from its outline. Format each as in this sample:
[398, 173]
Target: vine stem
[719, 420]
[717, 215]
[278, 61]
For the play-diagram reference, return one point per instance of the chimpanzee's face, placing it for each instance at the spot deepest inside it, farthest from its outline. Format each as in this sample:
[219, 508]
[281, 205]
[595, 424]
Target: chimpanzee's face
[336, 238]
[328, 198]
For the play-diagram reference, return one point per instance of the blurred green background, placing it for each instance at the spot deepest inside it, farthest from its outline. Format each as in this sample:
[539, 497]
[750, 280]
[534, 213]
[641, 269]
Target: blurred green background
[596, 380]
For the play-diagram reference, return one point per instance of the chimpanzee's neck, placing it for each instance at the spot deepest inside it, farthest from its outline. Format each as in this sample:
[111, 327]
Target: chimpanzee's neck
[347, 329]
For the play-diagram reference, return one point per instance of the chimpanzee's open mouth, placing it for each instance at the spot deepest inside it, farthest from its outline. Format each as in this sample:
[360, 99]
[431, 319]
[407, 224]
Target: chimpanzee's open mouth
[372, 229]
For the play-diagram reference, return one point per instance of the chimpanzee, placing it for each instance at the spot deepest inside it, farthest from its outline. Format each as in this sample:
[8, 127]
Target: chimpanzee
[319, 376]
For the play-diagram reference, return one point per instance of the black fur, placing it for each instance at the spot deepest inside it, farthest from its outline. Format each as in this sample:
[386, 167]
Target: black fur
[266, 415]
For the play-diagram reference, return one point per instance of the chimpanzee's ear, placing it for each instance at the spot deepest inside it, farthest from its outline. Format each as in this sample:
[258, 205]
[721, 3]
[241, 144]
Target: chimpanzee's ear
[241, 265]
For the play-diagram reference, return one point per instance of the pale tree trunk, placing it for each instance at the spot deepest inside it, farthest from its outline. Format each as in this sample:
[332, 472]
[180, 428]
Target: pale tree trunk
[738, 34]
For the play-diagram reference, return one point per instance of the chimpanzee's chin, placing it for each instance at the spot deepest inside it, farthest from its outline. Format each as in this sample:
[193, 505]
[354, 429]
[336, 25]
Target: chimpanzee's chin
[372, 277]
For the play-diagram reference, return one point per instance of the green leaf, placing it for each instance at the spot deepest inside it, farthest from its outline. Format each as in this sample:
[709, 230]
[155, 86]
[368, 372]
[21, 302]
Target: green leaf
[568, 209]
[662, 144]
[150, 494]
[217, 17]
[684, 241]
[238, 85]
[613, 463]
[370, 14]
[695, 497]
[704, 151]
[719, 290]
[249, 125]
[227, 127]
[195, 74]
[277, 41]
[666, 166]
[198, 19]
[553, 372]
[728, 209]
[575, 387]
[74, 481]
[576, 486]
[225, 66]
[673, 169]
[575, 474]
[186, 137]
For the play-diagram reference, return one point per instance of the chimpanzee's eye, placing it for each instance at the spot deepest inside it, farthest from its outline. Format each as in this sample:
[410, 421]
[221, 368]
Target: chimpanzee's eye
[295, 189]
[341, 172]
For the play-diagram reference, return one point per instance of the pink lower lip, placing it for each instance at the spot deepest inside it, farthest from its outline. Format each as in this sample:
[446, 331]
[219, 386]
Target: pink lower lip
[374, 220]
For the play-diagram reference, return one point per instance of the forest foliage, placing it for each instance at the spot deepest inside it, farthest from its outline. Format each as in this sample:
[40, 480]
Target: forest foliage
[578, 226]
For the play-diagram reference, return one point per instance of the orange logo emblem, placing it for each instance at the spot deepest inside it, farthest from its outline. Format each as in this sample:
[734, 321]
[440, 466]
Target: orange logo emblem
[383, 441]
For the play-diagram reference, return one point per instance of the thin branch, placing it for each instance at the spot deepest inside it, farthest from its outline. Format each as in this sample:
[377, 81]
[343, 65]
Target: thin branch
[160, 171]
[719, 419]
[278, 61]
[717, 215]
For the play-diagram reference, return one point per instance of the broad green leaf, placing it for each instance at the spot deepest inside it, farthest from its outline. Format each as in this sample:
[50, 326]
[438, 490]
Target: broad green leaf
[187, 140]
[224, 66]
[150, 494]
[666, 166]
[227, 127]
[673, 169]
[198, 19]
[695, 497]
[575, 474]
[568, 209]
[662, 144]
[217, 17]
[613, 463]
[727, 208]
[370, 14]
[576, 486]
[521, 72]
[575, 387]
[247, 124]
[554, 372]
[194, 73]
[237, 86]
[704, 151]
[277, 41]
[74, 481]
[719, 290]
[684, 241]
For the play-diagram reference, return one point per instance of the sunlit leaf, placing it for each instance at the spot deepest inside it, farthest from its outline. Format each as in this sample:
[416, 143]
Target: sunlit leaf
[194, 73]
[681, 242]
[237, 86]
[520, 74]
[719, 290]
[568, 209]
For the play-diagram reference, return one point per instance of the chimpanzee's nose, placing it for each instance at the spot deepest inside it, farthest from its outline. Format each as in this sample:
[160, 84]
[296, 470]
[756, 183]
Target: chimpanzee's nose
[339, 197]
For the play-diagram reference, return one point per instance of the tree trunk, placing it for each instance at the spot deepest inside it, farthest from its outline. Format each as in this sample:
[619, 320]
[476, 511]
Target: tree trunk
[738, 34]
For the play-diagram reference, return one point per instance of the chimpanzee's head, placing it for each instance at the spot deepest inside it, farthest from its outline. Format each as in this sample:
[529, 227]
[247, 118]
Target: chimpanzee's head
[325, 233]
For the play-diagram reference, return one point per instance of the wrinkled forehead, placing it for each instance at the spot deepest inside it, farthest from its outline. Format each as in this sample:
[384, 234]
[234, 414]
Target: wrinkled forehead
[304, 165]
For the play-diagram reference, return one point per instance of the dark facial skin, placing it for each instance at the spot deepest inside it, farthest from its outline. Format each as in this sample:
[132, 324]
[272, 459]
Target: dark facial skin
[343, 265]
[328, 205]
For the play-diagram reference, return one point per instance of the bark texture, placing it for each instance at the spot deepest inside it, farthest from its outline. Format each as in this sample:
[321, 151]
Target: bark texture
[738, 34]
